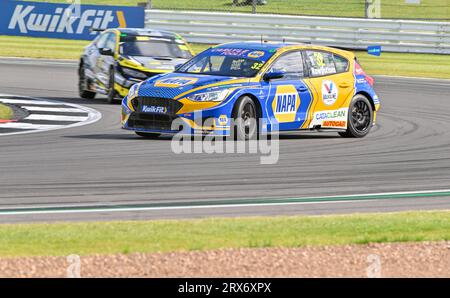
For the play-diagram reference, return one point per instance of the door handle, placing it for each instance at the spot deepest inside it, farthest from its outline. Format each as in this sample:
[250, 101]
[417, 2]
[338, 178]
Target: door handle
[344, 85]
[302, 89]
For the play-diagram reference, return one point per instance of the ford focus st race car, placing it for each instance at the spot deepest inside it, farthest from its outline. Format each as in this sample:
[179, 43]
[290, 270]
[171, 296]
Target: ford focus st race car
[119, 58]
[243, 89]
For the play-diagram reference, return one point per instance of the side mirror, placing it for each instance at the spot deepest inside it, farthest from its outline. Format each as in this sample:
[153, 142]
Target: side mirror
[106, 52]
[273, 75]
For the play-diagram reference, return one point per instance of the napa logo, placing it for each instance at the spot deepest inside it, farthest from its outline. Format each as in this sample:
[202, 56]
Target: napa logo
[154, 109]
[286, 103]
[329, 92]
[256, 54]
[222, 120]
[69, 21]
[175, 82]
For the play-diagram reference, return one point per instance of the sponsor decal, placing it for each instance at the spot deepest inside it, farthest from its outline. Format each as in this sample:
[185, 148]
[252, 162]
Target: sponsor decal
[358, 69]
[256, 54]
[332, 118]
[331, 114]
[154, 109]
[374, 50]
[361, 81]
[329, 92]
[175, 82]
[331, 123]
[69, 21]
[230, 51]
[222, 120]
[286, 103]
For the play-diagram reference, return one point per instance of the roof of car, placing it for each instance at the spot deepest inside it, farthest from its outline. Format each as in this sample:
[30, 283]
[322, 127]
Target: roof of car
[275, 46]
[256, 45]
[148, 32]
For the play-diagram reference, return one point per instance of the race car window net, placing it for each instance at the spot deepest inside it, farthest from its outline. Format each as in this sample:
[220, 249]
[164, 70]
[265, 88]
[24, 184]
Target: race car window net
[154, 48]
[240, 63]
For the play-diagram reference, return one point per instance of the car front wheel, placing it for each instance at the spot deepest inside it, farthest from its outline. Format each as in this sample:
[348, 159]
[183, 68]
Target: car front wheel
[83, 84]
[245, 119]
[112, 94]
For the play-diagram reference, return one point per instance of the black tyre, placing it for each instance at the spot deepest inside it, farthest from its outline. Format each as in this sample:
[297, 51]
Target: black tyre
[360, 118]
[148, 135]
[245, 119]
[83, 84]
[112, 94]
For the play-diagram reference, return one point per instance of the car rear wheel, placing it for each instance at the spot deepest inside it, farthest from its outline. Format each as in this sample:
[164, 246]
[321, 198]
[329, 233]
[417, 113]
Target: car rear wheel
[360, 118]
[112, 94]
[83, 85]
[148, 135]
[245, 119]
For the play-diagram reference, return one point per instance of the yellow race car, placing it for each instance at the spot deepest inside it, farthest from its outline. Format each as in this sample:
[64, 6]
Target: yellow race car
[119, 58]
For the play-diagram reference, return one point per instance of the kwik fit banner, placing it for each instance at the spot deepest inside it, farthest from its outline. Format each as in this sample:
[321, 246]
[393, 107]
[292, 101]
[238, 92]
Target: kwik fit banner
[68, 21]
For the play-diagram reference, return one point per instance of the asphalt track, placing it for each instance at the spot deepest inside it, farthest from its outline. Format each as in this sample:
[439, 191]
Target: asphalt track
[99, 172]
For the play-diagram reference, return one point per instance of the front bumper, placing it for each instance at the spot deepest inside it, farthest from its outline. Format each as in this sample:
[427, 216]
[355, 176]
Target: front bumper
[176, 119]
[122, 85]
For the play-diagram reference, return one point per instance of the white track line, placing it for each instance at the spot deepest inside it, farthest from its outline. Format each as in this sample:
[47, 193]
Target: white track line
[93, 115]
[138, 209]
[55, 117]
[112, 209]
[22, 101]
[42, 109]
[18, 125]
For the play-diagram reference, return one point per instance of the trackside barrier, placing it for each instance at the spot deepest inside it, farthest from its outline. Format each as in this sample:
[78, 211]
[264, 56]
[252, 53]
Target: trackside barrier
[353, 33]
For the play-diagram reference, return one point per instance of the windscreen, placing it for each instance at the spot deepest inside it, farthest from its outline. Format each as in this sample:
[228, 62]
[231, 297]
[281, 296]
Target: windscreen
[150, 47]
[234, 62]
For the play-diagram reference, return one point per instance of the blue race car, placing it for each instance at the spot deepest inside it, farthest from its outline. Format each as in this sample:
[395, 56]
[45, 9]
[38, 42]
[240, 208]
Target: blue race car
[247, 88]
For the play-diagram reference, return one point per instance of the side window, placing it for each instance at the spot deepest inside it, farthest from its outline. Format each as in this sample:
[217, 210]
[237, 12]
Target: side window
[291, 64]
[101, 43]
[215, 63]
[203, 64]
[111, 42]
[341, 63]
[320, 63]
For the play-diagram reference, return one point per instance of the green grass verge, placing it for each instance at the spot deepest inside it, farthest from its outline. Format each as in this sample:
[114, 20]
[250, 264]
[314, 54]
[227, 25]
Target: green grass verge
[183, 235]
[6, 113]
[32, 47]
[428, 9]
[414, 65]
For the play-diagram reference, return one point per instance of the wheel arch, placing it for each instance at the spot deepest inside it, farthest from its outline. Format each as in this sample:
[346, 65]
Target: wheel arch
[369, 97]
[255, 100]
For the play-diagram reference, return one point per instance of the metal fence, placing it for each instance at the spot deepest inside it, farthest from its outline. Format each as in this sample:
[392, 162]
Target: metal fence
[351, 33]
[438, 10]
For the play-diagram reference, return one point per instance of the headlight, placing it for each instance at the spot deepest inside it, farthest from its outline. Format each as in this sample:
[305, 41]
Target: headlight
[210, 96]
[133, 73]
[133, 91]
